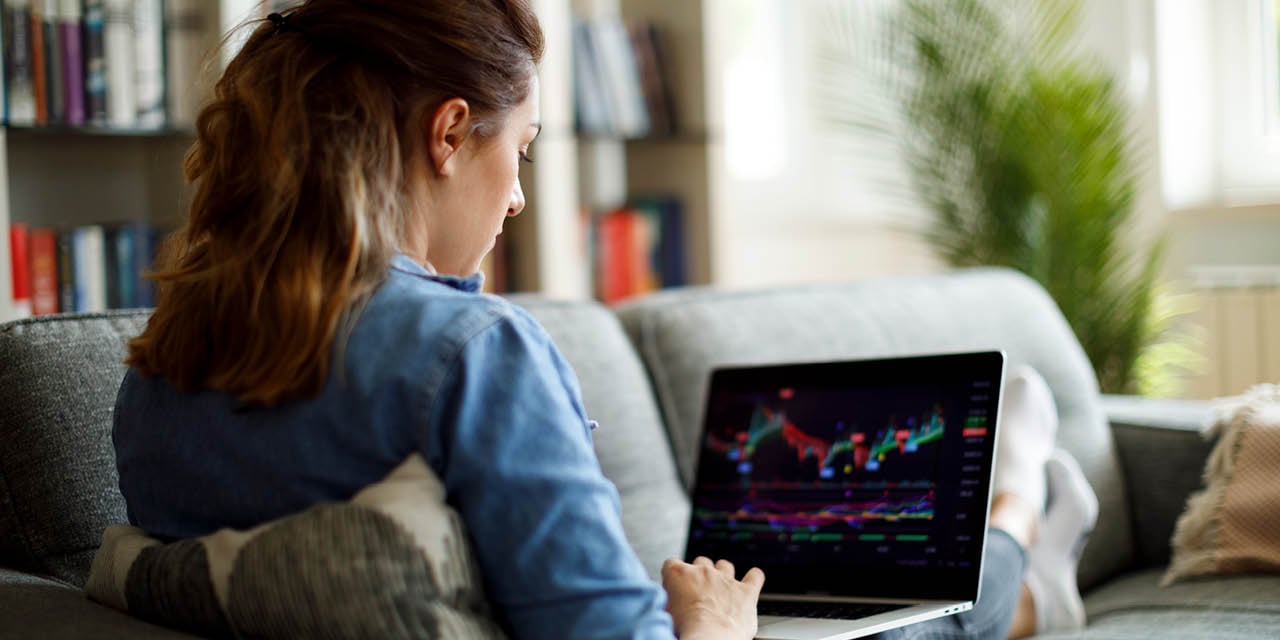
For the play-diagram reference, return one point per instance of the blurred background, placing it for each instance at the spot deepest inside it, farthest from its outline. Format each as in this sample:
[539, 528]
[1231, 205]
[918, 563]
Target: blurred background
[1124, 153]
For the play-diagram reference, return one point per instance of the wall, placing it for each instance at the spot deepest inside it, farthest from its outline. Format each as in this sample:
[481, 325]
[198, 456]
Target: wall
[801, 203]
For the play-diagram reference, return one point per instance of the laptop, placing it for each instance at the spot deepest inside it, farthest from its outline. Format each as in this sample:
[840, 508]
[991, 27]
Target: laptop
[861, 488]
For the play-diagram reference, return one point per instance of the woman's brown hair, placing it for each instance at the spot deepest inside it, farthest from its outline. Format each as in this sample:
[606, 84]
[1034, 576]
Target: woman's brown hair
[301, 192]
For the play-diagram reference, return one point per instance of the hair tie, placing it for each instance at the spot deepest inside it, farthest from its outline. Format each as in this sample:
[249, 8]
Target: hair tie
[281, 22]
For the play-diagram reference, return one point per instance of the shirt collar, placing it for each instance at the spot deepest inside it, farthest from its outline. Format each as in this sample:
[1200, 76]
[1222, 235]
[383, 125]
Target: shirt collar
[469, 284]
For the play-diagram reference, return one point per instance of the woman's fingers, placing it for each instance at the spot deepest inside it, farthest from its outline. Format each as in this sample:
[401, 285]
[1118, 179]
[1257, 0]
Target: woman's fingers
[725, 567]
[754, 579]
[703, 561]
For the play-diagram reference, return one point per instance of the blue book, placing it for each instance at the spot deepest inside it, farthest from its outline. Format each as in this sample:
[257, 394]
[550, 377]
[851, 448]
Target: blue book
[120, 269]
[95, 61]
[670, 260]
[146, 239]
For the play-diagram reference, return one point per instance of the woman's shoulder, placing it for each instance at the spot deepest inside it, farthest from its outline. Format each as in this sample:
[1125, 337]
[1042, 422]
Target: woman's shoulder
[415, 306]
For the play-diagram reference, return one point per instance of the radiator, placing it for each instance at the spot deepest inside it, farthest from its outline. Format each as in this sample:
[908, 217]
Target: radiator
[1239, 310]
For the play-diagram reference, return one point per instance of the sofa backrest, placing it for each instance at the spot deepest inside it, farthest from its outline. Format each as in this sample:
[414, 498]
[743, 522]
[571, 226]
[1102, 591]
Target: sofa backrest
[684, 334]
[58, 484]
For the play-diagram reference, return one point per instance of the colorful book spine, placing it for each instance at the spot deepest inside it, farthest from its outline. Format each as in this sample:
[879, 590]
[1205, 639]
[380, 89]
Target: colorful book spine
[19, 264]
[190, 35]
[54, 66]
[44, 271]
[73, 71]
[668, 257]
[39, 66]
[90, 272]
[146, 241]
[148, 28]
[621, 77]
[21, 106]
[95, 62]
[66, 271]
[617, 268]
[119, 51]
[128, 254]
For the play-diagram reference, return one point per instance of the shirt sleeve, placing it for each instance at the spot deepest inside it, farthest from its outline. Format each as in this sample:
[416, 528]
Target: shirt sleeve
[509, 435]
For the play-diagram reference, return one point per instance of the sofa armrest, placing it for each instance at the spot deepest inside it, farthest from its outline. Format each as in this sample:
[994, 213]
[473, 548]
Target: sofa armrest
[1162, 454]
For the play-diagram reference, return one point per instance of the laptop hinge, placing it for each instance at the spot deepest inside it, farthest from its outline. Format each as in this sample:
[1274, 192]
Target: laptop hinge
[851, 600]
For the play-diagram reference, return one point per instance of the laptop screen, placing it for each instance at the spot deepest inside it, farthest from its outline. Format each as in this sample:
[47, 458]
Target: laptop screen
[857, 479]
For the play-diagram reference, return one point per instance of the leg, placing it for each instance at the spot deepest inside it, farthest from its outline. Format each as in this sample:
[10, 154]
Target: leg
[1029, 425]
[999, 603]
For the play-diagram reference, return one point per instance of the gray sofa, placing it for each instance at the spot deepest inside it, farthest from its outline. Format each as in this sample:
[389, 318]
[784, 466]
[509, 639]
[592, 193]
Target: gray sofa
[644, 369]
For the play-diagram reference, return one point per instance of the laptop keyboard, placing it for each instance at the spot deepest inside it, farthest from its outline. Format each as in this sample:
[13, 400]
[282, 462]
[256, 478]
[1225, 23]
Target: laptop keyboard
[826, 610]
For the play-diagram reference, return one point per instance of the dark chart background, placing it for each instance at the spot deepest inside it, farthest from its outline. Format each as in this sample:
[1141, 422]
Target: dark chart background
[881, 477]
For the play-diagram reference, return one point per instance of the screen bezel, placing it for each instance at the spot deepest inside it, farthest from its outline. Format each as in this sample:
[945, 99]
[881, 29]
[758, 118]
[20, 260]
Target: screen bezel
[830, 578]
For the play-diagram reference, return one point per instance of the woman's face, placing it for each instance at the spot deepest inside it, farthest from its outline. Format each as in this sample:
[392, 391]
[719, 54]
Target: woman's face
[481, 190]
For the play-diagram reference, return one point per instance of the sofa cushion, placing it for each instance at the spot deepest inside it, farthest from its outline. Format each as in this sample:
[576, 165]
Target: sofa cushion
[394, 561]
[683, 334]
[58, 486]
[1135, 606]
[1233, 526]
[39, 608]
[631, 442]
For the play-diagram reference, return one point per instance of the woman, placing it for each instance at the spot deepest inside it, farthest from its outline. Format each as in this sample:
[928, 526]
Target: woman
[316, 320]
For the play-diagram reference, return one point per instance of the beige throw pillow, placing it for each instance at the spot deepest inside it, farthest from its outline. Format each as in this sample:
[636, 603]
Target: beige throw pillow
[1233, 525]
[392, 562]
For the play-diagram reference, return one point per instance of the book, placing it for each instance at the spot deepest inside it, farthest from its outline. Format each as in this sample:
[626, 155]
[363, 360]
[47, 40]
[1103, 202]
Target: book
[95, 61]
[66, 271]
[191, 30]
[19, 265]
[618, 259]
[591, 101]
[19, 79]
[128, 256]
[43, 243]
[55, 88]
[73, 70]
[611, 43]
[119, 51]
[655, 82]
[39, 68]
[149, 76]
[668, 258]
[90, 280]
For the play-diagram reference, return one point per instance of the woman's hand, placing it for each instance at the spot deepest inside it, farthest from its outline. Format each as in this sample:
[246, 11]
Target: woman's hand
[705, 600]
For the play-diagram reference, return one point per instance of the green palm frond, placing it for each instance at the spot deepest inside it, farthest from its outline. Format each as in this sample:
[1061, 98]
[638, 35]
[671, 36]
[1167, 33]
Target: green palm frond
[1021, 148]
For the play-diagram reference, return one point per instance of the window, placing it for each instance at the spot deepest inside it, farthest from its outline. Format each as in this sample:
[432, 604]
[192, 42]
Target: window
[1219, 101]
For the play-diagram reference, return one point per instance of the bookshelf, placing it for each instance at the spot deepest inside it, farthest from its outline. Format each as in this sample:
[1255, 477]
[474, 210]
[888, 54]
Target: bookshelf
[65, 176]
[578, 175]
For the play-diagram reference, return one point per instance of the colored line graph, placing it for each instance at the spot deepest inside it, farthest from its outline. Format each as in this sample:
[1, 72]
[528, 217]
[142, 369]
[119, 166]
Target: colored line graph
[767, 515]
[868, 453]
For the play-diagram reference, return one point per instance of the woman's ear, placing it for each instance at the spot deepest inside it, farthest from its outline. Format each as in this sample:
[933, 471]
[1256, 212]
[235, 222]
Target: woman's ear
[446, 130]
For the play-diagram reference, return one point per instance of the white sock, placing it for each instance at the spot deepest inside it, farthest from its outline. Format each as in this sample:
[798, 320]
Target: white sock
[1028, 427]
[1053, 559]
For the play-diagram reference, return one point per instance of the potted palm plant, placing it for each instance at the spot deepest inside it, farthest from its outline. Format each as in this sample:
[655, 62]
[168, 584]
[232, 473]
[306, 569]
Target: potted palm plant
[1021, 150]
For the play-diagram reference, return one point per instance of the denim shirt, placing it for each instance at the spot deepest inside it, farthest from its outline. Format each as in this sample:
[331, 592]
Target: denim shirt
[471, 382]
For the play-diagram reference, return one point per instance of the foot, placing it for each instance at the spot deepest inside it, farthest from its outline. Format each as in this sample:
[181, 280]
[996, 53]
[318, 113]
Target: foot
[1053, 559]
[1028, 428]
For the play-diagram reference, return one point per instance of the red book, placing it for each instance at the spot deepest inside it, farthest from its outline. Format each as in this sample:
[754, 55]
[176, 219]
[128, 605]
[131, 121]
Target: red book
[618, 277]
[43, 245]
[20, 268]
